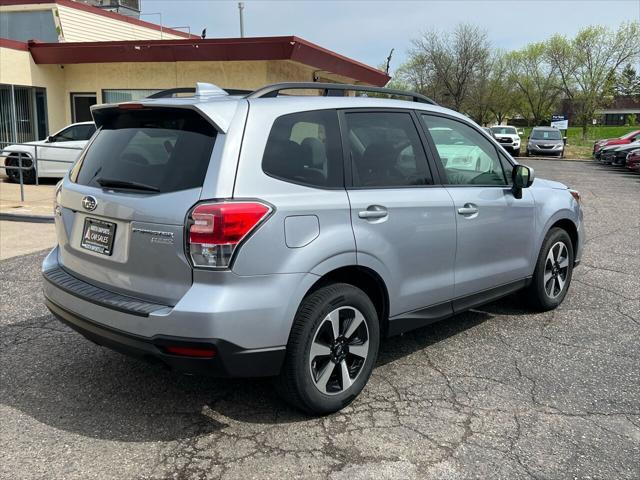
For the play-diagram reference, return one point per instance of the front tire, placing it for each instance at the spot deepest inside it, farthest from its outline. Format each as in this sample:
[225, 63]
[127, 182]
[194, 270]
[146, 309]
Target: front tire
[554, 269]
[28, 176]
[332, 349]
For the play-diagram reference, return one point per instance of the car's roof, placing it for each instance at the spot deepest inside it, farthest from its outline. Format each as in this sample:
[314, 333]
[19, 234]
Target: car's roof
[222, 108]
[545, 128]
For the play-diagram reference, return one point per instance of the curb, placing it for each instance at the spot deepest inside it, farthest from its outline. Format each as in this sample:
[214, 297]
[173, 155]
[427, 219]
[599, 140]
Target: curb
[16, 217]
[551, 159]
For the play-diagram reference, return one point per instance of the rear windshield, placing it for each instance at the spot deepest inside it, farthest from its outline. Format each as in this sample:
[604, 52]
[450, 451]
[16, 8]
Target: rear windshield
[162, 149]
[545, 134]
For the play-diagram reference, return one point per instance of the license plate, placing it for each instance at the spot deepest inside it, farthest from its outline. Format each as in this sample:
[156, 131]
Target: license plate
[98, 236]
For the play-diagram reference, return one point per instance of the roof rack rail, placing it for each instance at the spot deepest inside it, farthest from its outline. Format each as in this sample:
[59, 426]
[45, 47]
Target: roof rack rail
[334, 90]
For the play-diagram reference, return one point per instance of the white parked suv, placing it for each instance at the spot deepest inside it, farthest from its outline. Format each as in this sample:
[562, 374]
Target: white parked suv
[508, 137]
[55, 154]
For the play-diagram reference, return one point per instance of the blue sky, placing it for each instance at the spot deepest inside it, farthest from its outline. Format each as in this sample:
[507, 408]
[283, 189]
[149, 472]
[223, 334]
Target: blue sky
[367, 30]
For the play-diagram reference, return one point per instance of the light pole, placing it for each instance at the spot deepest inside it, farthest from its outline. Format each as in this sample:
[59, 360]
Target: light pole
[241, 8]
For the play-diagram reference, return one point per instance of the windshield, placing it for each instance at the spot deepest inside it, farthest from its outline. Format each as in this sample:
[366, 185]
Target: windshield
[162, 149]
[545, 135]
[630, 134]
[504, 130]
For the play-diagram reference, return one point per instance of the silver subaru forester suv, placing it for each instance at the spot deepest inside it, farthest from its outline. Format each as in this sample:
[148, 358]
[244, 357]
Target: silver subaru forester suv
[285, 235]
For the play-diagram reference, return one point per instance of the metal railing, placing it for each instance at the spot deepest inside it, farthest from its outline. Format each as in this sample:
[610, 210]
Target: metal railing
[29, 160]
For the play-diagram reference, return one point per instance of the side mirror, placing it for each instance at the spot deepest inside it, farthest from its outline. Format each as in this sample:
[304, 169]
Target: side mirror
[51, 139]
[522, 177]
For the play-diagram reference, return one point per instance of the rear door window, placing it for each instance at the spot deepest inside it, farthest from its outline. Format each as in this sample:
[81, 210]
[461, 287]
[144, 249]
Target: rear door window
[305, 148]
[385, 150]
[164, 149]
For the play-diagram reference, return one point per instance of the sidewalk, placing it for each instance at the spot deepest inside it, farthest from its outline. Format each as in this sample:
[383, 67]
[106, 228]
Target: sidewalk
[20, 238]
[38, 199]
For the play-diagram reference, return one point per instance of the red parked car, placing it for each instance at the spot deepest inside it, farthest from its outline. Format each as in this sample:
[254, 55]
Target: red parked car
[633, 160]
[627, 138]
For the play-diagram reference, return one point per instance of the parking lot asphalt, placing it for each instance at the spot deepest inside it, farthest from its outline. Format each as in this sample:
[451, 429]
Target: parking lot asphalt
[499, 392]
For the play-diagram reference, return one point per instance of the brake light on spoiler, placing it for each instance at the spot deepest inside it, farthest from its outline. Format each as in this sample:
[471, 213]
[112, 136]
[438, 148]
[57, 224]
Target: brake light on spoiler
[216, 229]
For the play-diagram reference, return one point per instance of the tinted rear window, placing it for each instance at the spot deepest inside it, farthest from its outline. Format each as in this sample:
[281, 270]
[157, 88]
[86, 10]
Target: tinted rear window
[167, 149]
[305, 148]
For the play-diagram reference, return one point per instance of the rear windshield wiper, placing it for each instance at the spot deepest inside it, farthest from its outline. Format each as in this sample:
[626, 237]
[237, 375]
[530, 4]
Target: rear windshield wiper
[111, 182]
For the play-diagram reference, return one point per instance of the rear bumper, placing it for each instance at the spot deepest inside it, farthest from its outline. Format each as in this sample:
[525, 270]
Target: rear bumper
[247, 318]
[229, 360]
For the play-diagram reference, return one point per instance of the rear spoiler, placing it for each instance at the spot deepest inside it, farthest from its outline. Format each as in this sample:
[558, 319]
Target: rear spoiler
[218, 114]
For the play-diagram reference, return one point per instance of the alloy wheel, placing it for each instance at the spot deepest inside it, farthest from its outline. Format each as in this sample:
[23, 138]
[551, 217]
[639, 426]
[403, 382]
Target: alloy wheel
[556, 269]
[339, 350]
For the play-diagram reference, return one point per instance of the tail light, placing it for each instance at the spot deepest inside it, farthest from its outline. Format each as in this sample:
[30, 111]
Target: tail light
[575, 194]
[216, 230]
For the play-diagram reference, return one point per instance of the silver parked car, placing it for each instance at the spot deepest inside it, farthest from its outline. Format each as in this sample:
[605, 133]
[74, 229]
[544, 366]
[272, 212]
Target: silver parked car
[546, 141]
[273, 235]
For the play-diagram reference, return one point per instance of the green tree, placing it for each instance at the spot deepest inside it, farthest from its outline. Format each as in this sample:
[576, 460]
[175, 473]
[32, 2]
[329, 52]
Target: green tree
[627, 83]
[536, 80]
[503, 97]
[448, 62]
[588, 65]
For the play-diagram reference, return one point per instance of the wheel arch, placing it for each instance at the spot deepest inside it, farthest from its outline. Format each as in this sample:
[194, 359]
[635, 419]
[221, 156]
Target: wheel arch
[570, 227]
[367, 280]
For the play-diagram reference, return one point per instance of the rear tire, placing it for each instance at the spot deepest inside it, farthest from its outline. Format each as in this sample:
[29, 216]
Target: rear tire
[554, 269]
[28, 176]
[324, 371]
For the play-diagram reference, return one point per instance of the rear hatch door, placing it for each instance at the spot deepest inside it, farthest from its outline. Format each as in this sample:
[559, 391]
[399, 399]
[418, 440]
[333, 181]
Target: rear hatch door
[121, 211]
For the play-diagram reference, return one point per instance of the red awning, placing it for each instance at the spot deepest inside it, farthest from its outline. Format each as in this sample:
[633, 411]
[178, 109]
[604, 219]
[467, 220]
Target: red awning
[202, 50]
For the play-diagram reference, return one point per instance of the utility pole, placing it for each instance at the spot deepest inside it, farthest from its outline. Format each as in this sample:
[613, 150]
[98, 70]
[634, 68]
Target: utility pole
[241, 8]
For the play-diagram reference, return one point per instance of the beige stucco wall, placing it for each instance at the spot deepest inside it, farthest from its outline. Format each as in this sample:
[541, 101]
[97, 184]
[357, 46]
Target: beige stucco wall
[17, 67]
[246, 75]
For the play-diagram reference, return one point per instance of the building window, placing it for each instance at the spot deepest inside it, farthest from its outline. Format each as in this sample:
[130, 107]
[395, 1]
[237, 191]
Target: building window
[125, 95]
[30, 25]
[23, 114]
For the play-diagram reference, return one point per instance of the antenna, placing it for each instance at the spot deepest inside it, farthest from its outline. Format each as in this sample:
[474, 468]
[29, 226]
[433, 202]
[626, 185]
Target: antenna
[208, 89]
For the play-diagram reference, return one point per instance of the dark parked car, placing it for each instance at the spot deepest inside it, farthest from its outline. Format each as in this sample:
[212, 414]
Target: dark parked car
[617, 154]
[633, 160]
[607, 142]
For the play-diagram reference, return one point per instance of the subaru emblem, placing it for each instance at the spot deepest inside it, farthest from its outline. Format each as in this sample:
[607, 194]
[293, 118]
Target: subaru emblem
[89, 203]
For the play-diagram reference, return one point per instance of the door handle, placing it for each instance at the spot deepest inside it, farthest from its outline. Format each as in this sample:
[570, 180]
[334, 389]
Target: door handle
[468, 209]
[373, 212]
